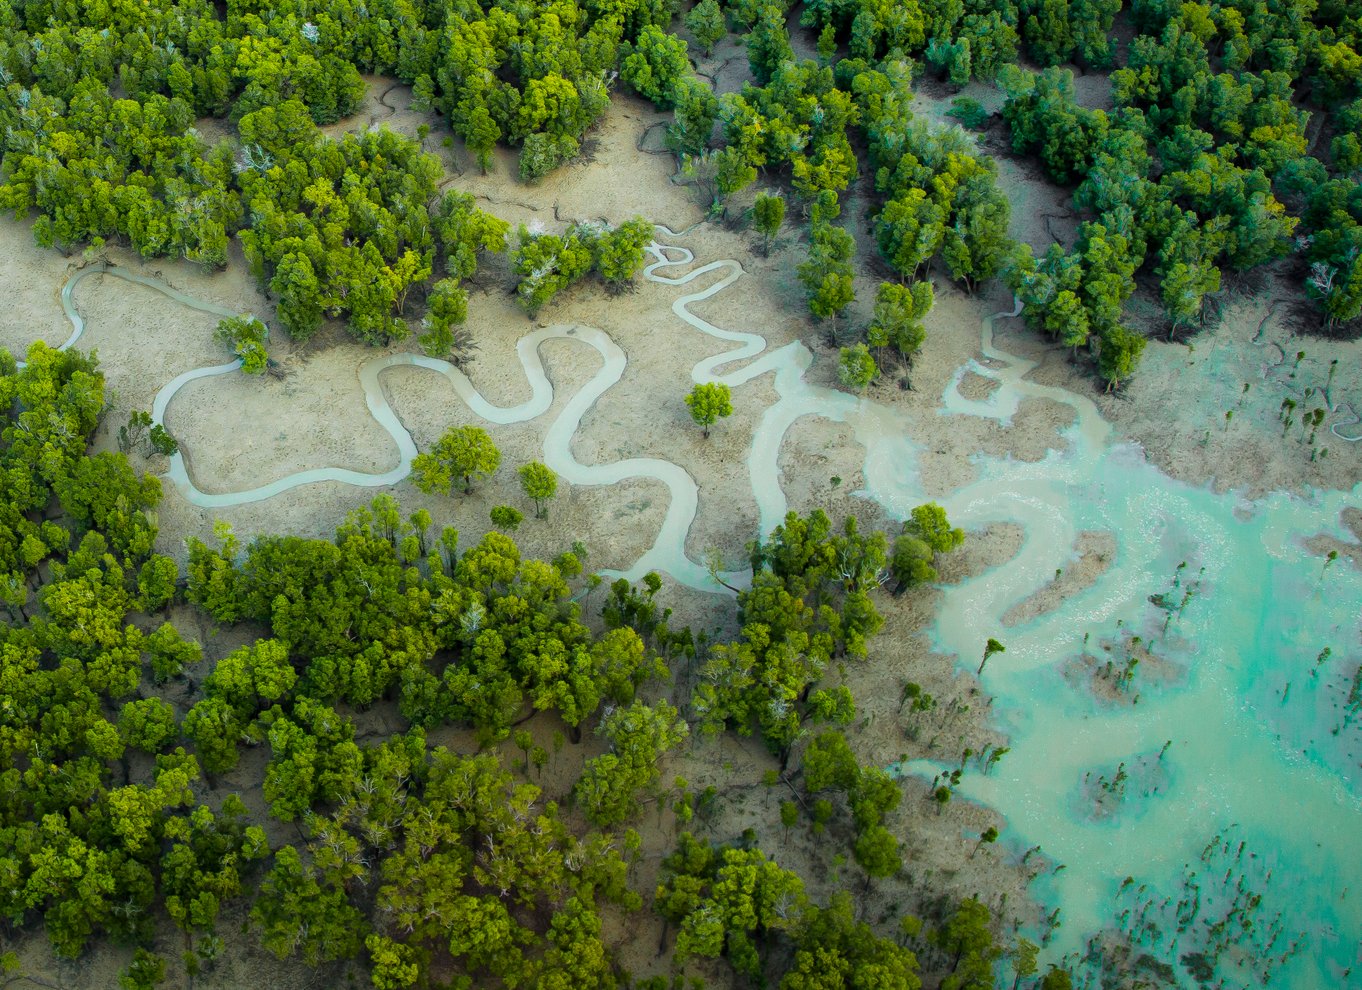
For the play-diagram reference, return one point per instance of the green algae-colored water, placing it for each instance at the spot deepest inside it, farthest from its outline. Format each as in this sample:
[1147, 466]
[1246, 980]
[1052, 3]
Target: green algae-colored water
[1228, 848]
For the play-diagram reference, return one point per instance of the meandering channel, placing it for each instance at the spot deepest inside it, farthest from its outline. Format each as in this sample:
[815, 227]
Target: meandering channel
[1255, 740]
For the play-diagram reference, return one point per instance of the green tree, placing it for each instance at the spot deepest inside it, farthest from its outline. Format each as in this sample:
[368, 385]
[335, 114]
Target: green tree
[708, 403]
[547, 264]
[832, 949]
[394, 966]
[156, 582]
[1023, 957]
[465, 233]
[542, 153]
[928, 523]
[1118, 354]
[926, 533]
[654, 64]
[215, 728]
[877, 851]
[910, 230]
[1066, 319]
[146, 971]
[639, 737]
[618, 254]
[727, 902]
[299, 914]
[768, 213]
[966, 939]
[169, 653]
[768, 44]
[253, 677]
[147, 724]
[856, 369]
[719, 174]
[539, 484]
[897, 322]
[465, 452]
[447, 309]
[300, 295]
[161, 442]
[246, 336]
[990, 648]
[827, 275]
[706, 22]
[693, 117]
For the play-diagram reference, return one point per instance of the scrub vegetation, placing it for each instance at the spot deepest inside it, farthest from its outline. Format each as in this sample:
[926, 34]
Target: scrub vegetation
[1233, 142]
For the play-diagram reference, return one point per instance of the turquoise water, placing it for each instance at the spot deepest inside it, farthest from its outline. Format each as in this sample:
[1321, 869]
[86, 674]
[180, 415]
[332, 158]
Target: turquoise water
[1260, 745]
[1241, 754]
[1242, 797]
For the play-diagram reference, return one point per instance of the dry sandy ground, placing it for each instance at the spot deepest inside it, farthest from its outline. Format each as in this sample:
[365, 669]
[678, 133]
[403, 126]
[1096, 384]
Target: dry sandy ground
[1094, 552]
[239, 433]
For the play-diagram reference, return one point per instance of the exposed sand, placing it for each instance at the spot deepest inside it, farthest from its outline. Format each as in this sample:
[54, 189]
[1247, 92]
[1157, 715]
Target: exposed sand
[240, 432]
[1094, 552]
[1350, 550]
[976, 387]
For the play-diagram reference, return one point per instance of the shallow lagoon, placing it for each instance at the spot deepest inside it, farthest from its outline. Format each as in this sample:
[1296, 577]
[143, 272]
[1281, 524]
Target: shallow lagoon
[1261, 747]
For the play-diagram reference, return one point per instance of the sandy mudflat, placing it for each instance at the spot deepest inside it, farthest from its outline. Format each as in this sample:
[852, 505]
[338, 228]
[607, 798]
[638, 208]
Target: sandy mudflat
[1094, 551]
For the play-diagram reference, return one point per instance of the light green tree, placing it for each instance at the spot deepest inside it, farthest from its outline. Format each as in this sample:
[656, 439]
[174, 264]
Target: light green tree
[246, 336]
[539, 484]
[928, 523]
[708, 403]
[856, 368]
[465, 452]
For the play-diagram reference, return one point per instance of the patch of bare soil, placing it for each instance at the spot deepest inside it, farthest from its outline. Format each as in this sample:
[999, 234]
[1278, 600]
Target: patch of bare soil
[33, 280]
[976, 387]
[1323, 544]
[990, 547]
[1094, 552]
